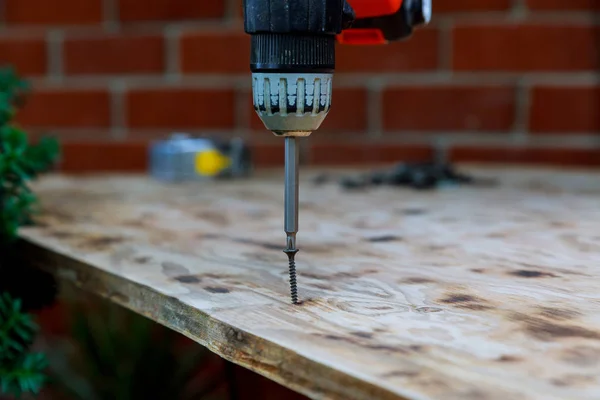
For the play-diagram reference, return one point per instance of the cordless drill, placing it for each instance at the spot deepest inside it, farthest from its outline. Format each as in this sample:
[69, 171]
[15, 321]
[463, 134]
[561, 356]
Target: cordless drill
[293, 60]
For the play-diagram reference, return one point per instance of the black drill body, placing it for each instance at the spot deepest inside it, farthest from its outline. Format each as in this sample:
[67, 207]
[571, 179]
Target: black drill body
[295, 35]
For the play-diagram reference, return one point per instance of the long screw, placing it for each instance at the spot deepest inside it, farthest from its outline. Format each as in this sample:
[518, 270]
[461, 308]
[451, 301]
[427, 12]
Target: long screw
[293, 284]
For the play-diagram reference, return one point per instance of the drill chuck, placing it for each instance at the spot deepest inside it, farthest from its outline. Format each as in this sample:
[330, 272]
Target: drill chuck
[291, 80]
[292, 104]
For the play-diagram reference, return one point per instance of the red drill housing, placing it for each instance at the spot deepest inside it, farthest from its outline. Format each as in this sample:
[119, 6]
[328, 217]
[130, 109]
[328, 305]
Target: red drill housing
[374, 8]
[383, 21]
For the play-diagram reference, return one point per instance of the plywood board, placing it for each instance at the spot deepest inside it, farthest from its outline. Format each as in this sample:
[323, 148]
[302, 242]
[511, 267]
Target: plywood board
[466, 293]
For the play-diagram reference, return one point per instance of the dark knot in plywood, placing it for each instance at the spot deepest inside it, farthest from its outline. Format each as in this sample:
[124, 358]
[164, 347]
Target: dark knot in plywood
[528, 273]
[216, 289]
[384, 239]
[187, 279]
[466, 301]
[545, 330]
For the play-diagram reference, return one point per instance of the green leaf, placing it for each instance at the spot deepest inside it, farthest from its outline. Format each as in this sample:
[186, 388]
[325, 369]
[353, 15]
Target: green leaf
[21, 372]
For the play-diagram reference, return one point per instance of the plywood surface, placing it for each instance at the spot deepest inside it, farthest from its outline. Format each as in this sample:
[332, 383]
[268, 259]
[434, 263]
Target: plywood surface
[468, 293]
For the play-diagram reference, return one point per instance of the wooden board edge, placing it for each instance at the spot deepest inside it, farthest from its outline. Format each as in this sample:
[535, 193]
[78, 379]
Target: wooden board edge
[269, 359]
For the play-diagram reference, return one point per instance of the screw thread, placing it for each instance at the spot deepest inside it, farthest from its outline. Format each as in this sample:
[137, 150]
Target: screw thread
[293, 283]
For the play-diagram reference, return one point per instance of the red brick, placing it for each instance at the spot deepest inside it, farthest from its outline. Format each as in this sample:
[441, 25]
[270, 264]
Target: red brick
[268, 155]
[114, 55]
[349, 108]
[523, 155]
[526, 48]
[167, 10]
[420, 52]
[333, 154]
[87, 157]
[67, 108]
[55, 12]
[27, 56]
[563, 4]
[444, 6]
[565, 109]
[181, 108]
[449, 108]
[217, 53]
[348, 113]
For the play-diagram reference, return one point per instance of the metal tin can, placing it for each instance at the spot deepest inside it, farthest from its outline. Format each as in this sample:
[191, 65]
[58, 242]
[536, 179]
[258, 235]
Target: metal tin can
[184, 158]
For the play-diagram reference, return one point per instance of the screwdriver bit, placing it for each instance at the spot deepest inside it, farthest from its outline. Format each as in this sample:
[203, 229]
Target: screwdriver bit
[291, 209]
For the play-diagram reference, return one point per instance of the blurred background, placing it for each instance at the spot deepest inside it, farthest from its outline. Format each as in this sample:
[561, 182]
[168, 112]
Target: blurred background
[487, 81]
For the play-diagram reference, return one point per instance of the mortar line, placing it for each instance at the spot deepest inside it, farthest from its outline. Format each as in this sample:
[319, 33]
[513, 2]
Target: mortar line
[522, 111]
[242, 111]
[2, 14]
[118, 112]
[55, 48]
[172, 54]
[110, 11]
[231, 10]
[375, 111]
[519, 9]
[445, 47]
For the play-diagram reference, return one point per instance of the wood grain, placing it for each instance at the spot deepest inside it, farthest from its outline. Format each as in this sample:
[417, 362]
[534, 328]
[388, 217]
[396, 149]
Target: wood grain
[467, 293]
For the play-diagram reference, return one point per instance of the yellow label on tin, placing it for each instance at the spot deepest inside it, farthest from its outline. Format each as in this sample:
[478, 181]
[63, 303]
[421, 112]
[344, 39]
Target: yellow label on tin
[211, 162]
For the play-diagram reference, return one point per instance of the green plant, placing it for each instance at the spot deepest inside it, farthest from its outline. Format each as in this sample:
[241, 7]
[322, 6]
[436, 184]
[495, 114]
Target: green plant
[21, 371]
[114, 353]
[20, 161]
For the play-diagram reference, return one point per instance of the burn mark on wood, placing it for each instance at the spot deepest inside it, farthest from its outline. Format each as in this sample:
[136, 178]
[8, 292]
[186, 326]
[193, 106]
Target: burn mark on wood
[466, 302]
[333, 337]
[401, 374]
[458, 298]
[573, 380]
[416, 280]
[359, 340]
[388, 348]
[558, 314]
[413, 211]
[60, 215]
[384, 239]
[100, 243]
[41, 224]
[135, 223]
[542, 329]
[209, 236]
[210, 275]
[61, 234]
[187, 279]
[582, 356]
[365, 335]
[425, 310]
[506, 358]
[216, 289]
[529, 273]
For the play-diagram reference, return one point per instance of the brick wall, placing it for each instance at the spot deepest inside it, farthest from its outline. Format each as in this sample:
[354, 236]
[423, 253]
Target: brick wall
[489, 80]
